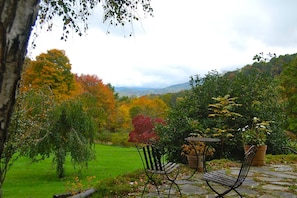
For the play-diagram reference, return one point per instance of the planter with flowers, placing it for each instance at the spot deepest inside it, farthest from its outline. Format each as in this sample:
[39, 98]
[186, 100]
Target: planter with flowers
[256, 135]
[194, 152]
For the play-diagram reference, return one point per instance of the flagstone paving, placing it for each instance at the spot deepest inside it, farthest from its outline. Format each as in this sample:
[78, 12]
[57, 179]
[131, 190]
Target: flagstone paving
[271, 181]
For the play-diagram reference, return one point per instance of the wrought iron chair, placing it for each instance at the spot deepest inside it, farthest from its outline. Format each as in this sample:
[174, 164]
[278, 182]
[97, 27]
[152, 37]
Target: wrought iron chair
[232, 183]
[154, 163]
[290, 149]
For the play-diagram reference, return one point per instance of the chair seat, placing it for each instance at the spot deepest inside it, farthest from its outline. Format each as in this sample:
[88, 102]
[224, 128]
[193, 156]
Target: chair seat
[221, 178]
[166, 169]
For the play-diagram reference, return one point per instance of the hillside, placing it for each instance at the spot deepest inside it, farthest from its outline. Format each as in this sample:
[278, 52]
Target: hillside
[140, 91]
[272, 67]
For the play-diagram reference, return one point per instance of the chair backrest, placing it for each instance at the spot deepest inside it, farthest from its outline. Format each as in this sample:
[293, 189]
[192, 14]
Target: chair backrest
[151, 157]
[246, 164]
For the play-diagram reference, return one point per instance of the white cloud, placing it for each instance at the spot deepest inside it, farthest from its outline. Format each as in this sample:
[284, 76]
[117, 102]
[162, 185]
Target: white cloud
[181, 40]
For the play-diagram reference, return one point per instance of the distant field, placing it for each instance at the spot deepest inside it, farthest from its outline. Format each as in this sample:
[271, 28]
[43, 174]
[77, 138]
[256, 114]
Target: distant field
[39, 180]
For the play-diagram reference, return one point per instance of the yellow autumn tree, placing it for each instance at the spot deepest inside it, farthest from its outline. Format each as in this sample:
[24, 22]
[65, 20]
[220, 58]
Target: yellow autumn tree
[124, 121]
[52, 69]
[149, 106]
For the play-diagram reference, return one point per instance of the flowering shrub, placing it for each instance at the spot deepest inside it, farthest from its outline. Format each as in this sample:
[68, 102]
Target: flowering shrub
[257, 133]
[144, 129]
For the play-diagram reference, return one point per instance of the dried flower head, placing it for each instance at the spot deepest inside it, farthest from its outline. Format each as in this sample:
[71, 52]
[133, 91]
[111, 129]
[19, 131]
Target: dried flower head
[196, 148]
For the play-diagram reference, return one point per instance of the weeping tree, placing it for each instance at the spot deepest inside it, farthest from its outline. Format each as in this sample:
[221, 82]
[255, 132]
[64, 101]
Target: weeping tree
[72, 132]
[17, 20]
[41, 127]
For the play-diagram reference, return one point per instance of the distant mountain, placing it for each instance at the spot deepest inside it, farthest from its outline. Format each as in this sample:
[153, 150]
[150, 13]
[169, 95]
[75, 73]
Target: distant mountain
[141, 91]
[272, 67]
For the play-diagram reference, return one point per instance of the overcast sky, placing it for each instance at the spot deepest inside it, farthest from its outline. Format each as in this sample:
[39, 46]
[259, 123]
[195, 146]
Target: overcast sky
[183, 39]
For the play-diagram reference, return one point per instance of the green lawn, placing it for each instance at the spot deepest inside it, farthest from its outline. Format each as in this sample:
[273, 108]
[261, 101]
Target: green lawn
[39, 179]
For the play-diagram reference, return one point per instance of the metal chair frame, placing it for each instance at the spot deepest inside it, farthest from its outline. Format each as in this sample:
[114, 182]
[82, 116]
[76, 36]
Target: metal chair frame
[154, 163]
[232, 183]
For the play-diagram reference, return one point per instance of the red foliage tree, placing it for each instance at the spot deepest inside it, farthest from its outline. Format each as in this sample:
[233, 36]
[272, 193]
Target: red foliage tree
[144, 129]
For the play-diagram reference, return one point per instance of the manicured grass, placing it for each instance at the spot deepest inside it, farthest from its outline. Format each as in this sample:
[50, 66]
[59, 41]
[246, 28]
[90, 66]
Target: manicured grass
[25, 179]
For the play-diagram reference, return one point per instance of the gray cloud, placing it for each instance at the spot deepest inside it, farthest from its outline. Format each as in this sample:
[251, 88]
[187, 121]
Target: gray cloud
[271, 22]
[182, 40]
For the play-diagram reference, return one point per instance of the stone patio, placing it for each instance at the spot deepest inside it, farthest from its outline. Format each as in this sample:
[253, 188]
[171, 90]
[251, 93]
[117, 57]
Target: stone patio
[272, 181]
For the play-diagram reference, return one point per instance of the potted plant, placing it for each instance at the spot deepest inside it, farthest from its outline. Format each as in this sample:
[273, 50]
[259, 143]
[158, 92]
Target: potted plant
[194, 152]
[256, 134]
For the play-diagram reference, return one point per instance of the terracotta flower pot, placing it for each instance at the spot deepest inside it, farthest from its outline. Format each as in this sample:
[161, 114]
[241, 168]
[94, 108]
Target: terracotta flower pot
[192, 160]
[259, 159]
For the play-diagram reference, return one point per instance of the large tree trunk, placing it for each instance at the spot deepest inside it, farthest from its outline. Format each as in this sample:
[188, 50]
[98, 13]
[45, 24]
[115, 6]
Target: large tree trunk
[17, 18]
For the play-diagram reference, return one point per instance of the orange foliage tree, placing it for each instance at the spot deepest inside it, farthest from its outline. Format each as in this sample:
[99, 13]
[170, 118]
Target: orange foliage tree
[99, 99]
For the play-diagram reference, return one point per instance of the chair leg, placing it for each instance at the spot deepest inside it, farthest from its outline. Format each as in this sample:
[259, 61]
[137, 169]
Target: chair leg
[237, 192]
[156, 185]
[227, 191]
[172, 181]
[144, 188]
[208, 183]
[221, 195]
[150, 181]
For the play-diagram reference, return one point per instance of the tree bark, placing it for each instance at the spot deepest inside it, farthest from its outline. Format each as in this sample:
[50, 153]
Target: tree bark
[17, 18]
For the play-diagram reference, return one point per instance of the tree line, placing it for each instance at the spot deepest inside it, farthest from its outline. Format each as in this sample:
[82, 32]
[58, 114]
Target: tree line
[58, 112]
